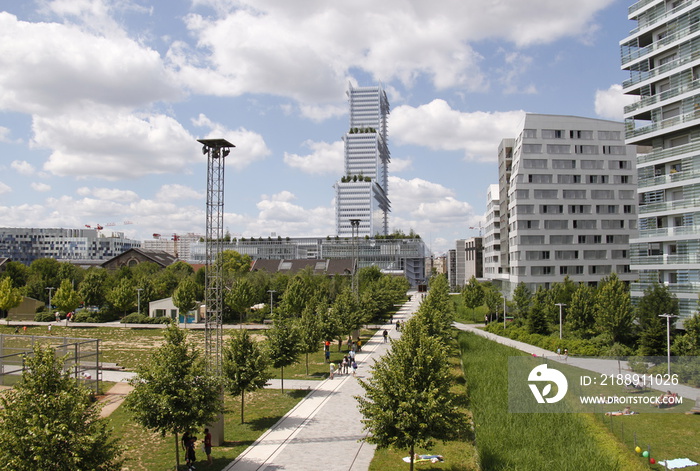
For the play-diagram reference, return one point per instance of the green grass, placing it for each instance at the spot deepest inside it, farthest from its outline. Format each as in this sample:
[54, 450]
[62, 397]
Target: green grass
[459, 453]
[468, 316]
[536, 441]
[147, 451]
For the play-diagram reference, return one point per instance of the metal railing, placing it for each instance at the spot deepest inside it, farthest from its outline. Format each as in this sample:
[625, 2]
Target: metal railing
[670, 152]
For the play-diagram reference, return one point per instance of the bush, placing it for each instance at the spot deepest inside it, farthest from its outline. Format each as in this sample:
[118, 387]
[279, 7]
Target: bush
[135, 318]
[44, 316]
[85, 315]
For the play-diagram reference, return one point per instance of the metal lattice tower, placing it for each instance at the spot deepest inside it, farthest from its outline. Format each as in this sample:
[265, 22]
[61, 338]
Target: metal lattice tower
[216, 150]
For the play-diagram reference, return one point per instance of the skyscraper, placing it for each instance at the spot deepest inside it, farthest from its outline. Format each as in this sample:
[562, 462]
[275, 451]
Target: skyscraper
[660, 54]
[362, 194]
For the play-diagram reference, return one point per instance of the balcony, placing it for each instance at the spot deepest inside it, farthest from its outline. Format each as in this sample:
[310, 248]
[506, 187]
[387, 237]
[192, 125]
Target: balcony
[670, 232]
[676, 288]
[669, 206]
[670, 178]
[659, 155]
[631, 133]
[686, 259]
[639, 52]
[691, 55]
[668, 94]
[651, 20]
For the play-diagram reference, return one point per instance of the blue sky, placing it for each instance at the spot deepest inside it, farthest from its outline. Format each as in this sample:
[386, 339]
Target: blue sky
[101, 103]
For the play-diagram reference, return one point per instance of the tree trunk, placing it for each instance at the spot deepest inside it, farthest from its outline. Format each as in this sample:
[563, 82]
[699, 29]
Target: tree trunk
[242, 404]
[412, 456]
[307, 364]
[282, 379]
[177, 453]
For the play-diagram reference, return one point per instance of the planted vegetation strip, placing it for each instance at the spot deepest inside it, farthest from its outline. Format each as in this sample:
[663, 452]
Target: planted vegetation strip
[507, 441]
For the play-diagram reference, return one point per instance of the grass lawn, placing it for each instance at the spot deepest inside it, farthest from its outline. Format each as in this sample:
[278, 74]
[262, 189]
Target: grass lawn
[148, 451]
[459, 453]
[465, 315]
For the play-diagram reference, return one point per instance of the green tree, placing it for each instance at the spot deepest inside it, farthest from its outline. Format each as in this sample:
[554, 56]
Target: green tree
[66, 298]
[234, 264]
[537, 318]
[580, 318]
[244, 365]
[282, 344]
[436, 312]
[473, 295]
[91, 289]
[613, 310]
[185, 297]
[657, 299]
[522, 298]
[347, 315]
[689, 342]
[240, 297]
[174, 392]
[9, 296]
[407, 401]
[18, 272]
[493, 300]
[310, 333]
[123, 296]
[51, 422]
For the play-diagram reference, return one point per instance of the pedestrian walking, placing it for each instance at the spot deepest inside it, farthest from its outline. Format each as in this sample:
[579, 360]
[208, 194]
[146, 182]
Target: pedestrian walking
[386, 335]
[359, 345]
[352, 355]
[332, 367]
[354, 367]
[328, 356]
[207, 444]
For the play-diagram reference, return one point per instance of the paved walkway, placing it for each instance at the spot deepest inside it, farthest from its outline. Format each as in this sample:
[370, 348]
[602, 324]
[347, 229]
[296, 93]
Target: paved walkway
[324, 430]
[597, 365]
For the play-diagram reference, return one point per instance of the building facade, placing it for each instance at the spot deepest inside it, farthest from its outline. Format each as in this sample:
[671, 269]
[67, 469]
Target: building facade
[660, 55]
[572, 206]
[492, 234]
[396, 256]
[177, 245]
[25, 245]
[362, 194]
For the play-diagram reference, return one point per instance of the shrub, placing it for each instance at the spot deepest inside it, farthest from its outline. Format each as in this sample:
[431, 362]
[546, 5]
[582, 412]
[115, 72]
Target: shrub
[135, 318]
[44, 316]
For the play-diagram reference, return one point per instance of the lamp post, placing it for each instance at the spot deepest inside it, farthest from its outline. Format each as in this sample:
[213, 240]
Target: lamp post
[504, 311]
[271, 291]
[561, 305]
[138, 297]
[50, 289]
[668, 339]
[355, 226]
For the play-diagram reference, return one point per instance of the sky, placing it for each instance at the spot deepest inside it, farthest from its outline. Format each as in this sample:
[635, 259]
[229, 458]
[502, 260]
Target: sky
[102, 103]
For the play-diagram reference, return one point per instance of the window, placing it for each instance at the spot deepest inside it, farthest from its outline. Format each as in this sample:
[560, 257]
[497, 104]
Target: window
[552, 134]
[581, 134]
[566, 254]
[524, 209]
[546, 194]
[614, 150]
[627, 209]
[591, 164]
[524, 194]
[535, 163]
[626, 194]
[538, 178]
[586, 150]
[561, 239]
[556, 224]
[532, 148]
[582, 239]
[620, 164]
[559, 149]
[597, 239]
[579, 209]
[567, 179]
[551, 209]
[601, 194]
[530, 133]
[559, 163]
[592, 178]
[609, 135]
[574, 194]
[584, 224]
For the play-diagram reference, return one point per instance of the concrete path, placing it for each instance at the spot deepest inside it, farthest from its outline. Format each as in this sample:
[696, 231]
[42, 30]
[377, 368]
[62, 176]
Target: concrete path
[324, 430]
[596, 365]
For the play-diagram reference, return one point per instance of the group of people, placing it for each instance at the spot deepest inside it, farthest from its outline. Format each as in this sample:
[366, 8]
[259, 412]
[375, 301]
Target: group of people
[188, 444]
[345, 365]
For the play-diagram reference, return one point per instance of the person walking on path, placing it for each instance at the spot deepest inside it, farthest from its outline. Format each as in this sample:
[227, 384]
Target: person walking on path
[385, 334]
[332, 367]
[207, 444]
[354, 367]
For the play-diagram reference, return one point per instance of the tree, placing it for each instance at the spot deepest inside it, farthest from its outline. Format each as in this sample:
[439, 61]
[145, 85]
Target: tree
[244, 365]
[537, 318]
[66, 298]
[436, 312]
[282, 344]
[310, 334]
[234, 264]
[51, 422]
[613, 310]
[123, 296]
[240, 297]
[473, 295]
[657, 299]
[173, 391]
[185, 297]
[493, 300]
[407, 401]
[580, 319]
[522, 298]
[9, 296]
[91, 289]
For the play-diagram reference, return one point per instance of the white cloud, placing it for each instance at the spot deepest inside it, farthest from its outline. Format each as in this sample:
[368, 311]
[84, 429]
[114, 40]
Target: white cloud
[41, 187]
[109, 194]
[178, 192]
[610, 103]
[308, 51]
[4, 134]
[439, 127]
[113, 145]
[250, 146]
[325, 158]
[49, 68]
[4, 188]
[400, 165]
[278, 213]
[22, 167]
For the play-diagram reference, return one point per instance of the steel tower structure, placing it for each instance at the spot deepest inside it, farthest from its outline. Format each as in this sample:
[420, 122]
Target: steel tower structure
[216, 150]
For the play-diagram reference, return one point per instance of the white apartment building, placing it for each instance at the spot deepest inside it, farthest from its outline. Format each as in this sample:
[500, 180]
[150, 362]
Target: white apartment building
[177, 245]
[492, 234]
[572, 201]
[661, 55]
[362, 194]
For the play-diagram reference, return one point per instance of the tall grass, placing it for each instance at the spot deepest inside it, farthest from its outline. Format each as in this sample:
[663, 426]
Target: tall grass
[537, 441]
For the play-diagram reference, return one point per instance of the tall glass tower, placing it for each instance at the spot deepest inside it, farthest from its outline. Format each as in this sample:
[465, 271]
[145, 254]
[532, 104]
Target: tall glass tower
[661, 55]
[362, 194]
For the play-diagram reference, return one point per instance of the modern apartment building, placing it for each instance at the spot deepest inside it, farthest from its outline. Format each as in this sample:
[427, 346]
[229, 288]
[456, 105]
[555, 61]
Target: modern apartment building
[362, 194]
[572, 205]
[177, 245]
[492, 234]
[25, 245]
[661, 54]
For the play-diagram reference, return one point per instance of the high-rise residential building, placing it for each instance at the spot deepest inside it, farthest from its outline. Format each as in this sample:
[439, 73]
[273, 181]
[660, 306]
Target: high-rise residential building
[362, 194]
[572, 205]
[660, 54]
[177, 245]
[25, 245]
[492, 233]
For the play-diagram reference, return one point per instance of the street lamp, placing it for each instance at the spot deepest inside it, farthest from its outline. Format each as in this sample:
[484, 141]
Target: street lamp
[355, 226]
[50, 289]
[271, 291]
[561, 305]
[668, 339]
[138, 297]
